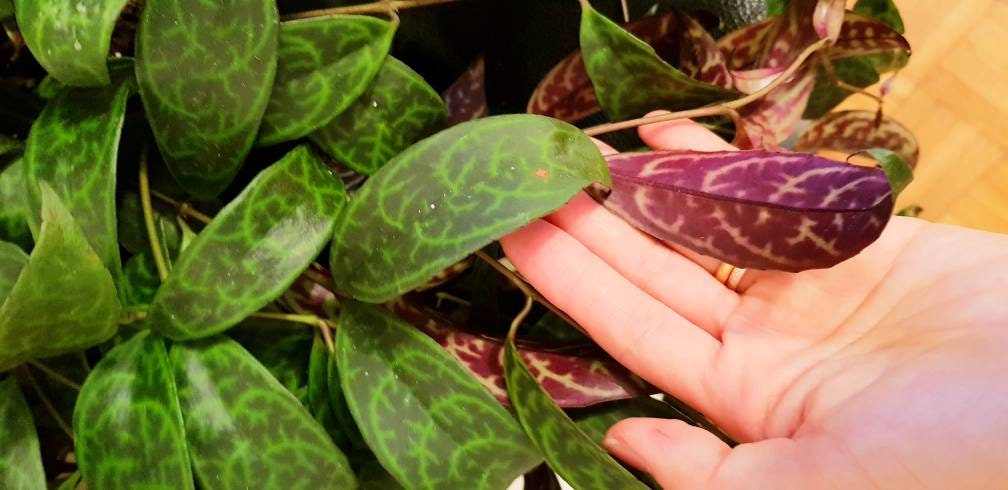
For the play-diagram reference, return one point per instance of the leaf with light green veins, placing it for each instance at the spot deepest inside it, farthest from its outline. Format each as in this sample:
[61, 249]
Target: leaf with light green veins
[73, 147]
[323, 65]
[127, 421]
[20, 457]
[12, 260]
[14, 208]
[140, 280]
[630, 78]
[70, 38]
[205, 70]
[397, 110]
[49, 311]
[449, 195]
[427, 420]
[318, 393]
[252, 251]
[569, 451]
[244, 429]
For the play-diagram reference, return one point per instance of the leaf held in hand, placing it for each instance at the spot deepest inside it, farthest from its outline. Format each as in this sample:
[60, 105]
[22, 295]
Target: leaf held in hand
[754, 209]
[855, 131]
[252, 251]
[451, 194]
[429, 423]
[20, 457]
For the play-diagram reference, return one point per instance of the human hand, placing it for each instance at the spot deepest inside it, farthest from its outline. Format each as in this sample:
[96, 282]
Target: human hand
[885, 371]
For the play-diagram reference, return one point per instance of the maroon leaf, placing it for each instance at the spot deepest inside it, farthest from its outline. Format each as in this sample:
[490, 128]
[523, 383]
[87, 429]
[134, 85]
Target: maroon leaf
[795, 31]
[755, 209]
[566, 93]
[744, 47]
[780, 110]
[449, 273]
[827, 19]
[854, 131]
[753, 134]
[699, 56]
[862, 35]
[571, 381]
[465, 98]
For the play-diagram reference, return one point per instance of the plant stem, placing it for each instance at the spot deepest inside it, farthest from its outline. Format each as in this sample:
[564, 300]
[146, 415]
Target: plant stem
[626, 10]
[519, 318]
[48, 404]
[148, 212]
[304, 319]
[714, 110]
[368, 8]
[55, 375]
[184, 208]
[831, 73]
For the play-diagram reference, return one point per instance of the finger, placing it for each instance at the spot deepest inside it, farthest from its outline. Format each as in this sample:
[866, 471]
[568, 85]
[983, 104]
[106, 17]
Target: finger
[679, 455]
[647, 263]
[637, 330]
[681, 134]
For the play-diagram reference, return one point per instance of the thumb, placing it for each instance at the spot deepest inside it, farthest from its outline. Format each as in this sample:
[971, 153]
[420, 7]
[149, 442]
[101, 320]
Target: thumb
[680, 456]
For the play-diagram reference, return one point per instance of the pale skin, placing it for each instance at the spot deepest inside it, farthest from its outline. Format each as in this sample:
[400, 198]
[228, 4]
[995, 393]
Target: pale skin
[889, 370]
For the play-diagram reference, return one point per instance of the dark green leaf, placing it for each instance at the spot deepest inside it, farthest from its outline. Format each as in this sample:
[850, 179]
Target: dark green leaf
[140, 280]
[6, 9]
[454, 192]
[912, 211]
[9, 148]
[397, 110]
[775, 7]
[372, 476]
[279, 348]
[73, 147]
[252, 251]
[318, 393]
[49, 311]
[896, 169]
[12, 260]
[244, 429]
[630, 78]
[426, 419]
[568, 450]
[597, 420]
[857, 71]
[20, 459]
[133, 230]
[323, 65]
[205, 72]
[341, 411]
[883, 10]
[127, 422]
[14, 208]
[70, 38]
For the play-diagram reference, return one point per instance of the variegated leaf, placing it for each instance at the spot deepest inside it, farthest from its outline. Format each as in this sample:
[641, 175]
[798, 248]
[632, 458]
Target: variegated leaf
[855, 131]
[465, 98]
[744, 47]
[780, 110]
[861, 35]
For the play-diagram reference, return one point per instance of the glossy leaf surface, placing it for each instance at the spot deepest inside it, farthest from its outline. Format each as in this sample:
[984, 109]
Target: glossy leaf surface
[465, 99]
[323, 65]
[568, 450]
[397, 109]
[244, 429]
[73, 147]
[629, 77]
[42, 317]
[883, 10]
[428, 422]
[855, 131]
[451, 194]
[70, 38]
[754, 209]
[252, 250]
[12, 260]
[20, 458]
[14, 208]
[127, 421]
[205, 71]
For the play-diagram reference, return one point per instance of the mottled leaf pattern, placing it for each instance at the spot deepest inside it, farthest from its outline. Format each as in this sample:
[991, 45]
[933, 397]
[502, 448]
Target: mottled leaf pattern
[318, 393]
[629, 77]
[465, 98]
[252, 251]
[70, 38]
[323, 65]
[205, 71]
[863, 35]
[14, 208]
[451, 194]
[39, 314]
[73, 147]
[744, 47]
[12, 260]
[854, 131]
[568, 450]
[244, 429]
[127, 421]
[429, 423]
[20, 459]
[780, 110]
[397, 109]
[140, 281]
[883, 10]
[754, 209]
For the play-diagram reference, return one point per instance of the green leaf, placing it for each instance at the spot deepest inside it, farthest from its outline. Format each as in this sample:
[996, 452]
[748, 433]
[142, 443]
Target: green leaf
[6, 9]
[244, 429]
[912, 211]
[397, 110]
[899, 172]
[20, 458]
[279, 348]
[323, 65]
[857, 70]
[73, 147]
[12, 260]
[140, 280]
[9, 148]
[341, 410]
[133, 230]
[318, 393]
[427, 420]
[453, 193]
[883, 10]
[569, 451]
[372, 476]
[14, 208]
[127, 422]
[775, 7]
[71, 482]
[598, 419]
[205, 72]
[630, 78]
[49, 311]
[70, 38]
[252, 251]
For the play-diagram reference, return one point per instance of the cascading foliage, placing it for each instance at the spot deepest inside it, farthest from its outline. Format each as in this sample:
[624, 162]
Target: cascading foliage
[244, 245]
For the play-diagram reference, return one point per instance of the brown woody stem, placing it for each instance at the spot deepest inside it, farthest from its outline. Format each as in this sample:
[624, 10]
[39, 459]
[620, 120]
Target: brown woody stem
[368, 8]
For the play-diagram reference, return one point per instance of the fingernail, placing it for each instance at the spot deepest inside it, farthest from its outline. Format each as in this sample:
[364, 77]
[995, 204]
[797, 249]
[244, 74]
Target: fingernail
[624, 451]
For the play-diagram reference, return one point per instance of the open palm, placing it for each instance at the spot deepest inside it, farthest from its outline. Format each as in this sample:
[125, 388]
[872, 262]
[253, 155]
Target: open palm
[889, 370]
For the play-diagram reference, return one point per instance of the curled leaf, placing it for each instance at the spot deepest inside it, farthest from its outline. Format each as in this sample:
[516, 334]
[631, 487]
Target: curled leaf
[827, 19]
[752, 81]
[465, 98]
[855, 131]
[754, 209]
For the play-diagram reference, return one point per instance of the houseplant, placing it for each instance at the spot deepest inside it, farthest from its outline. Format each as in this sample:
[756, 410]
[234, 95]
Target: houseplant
[246, 246]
